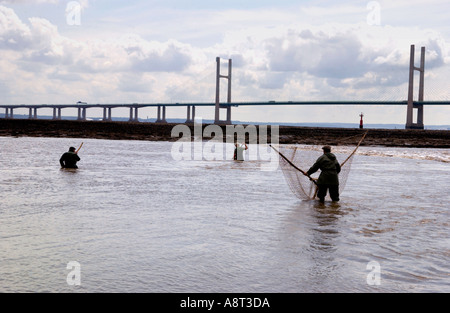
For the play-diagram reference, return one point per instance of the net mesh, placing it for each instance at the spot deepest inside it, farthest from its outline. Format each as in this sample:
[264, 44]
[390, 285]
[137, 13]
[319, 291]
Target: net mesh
[295, 161]
[300, 184]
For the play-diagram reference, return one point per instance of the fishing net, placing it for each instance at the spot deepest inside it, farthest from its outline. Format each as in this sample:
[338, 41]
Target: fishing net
[296, 160]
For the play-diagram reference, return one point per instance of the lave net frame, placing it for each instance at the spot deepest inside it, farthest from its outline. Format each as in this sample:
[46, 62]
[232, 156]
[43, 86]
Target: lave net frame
[295, 161]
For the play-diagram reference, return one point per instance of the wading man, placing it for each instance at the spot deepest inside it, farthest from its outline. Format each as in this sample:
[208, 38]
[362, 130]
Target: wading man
[239, 151]
[69, 159]
[328, 178]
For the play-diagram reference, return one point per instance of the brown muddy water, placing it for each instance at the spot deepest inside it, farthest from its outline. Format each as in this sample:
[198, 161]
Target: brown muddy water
[136, 219]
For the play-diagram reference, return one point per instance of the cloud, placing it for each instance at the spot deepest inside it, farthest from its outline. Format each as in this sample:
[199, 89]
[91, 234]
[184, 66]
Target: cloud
[132, 83]
[277, 55]
[172, 58]
[29, 1]
[82, 3]
[14, 34]
[39, 43]
[98, 69]
[320, 54]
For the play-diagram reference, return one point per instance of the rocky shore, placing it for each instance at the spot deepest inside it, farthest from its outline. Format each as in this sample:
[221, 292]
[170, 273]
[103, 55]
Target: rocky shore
[162, 132]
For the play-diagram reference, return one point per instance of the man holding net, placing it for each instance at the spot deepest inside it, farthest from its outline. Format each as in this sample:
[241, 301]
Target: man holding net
[328, 178]
[70, 159]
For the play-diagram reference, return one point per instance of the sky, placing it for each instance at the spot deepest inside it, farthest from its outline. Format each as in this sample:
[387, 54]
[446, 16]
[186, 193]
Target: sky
[109, 51]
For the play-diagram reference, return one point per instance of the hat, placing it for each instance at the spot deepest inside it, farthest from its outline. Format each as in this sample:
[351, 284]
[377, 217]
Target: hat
[71, 149]
[326, 148]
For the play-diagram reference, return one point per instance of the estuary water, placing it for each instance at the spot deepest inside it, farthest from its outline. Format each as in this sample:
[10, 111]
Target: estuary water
[133, 218]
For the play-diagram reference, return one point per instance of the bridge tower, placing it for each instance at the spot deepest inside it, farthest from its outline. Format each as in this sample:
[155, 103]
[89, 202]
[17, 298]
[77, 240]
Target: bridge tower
[411, 105]
[218, 106]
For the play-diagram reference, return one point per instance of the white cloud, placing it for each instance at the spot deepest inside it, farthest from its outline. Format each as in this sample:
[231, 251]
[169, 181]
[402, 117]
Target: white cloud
[29, 1]
[13, 33]
[83, 3]
[322, 55]
[147, 56]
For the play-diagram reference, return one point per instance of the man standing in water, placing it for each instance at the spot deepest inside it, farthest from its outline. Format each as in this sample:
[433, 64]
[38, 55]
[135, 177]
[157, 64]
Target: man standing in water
[239, 151]
[69, 159]
[328, 178]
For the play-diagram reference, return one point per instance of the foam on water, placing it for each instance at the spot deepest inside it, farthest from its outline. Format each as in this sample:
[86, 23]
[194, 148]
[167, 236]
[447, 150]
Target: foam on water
[440, 155]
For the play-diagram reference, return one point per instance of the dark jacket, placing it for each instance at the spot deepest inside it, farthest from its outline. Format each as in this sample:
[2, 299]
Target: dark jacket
[329, 167]
[69, 160]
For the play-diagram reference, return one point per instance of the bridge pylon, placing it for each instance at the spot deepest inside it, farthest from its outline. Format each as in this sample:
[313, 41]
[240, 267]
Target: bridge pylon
[218, 105]
[411, 105]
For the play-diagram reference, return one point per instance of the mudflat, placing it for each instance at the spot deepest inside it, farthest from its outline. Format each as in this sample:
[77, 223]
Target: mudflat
[163, 132]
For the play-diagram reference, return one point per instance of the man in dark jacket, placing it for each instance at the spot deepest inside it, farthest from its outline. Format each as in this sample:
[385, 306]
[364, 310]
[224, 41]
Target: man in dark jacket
[328, 178]
[69, 159]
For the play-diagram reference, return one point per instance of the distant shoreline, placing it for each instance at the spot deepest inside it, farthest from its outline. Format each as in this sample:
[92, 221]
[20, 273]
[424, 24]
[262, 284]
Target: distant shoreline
[162, 132]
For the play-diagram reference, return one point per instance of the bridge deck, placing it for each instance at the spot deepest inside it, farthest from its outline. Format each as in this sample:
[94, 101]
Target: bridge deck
[234, 104]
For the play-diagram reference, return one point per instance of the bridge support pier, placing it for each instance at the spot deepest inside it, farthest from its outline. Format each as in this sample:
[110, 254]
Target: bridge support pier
[218, 105]
[134, 118]
[56, 113]
[106, 114]
[158, 118]
[190, 119]
[411, 105]
[163, 119]
[81, 114]
[30, 114]
[164, 114]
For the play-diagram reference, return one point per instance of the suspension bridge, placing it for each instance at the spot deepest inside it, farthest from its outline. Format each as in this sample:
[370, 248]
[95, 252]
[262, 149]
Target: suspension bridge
[414, 118]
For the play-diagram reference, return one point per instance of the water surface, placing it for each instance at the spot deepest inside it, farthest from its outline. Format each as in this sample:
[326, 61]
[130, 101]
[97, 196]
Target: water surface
[136, 220]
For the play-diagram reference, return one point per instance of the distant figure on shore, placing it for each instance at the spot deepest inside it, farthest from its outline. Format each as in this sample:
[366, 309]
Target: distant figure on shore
[328, 178]
[239, 151]
[69, 159]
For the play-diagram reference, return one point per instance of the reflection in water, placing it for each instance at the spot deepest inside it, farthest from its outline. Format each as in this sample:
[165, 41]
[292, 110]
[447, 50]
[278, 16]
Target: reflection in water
[324, 242]
[311, 235]
[327, 229]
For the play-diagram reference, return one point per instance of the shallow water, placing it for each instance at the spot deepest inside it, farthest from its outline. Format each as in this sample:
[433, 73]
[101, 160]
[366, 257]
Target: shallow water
[136, 220]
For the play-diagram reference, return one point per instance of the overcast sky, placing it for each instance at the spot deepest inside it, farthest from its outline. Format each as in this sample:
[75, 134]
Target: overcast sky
[109, 51]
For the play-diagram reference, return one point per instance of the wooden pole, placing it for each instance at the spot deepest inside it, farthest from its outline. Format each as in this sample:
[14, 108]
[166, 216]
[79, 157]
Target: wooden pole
[359, 143]
[293, 165]
[79, 148]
